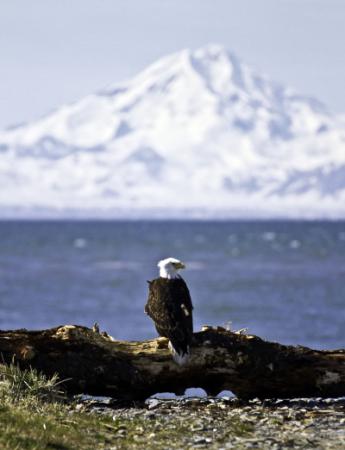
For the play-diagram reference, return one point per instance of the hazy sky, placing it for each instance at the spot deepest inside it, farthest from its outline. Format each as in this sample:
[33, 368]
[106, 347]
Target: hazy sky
[56, 51]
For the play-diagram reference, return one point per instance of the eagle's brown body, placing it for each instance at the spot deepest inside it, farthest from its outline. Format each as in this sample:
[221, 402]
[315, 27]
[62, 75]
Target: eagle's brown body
[170, 307]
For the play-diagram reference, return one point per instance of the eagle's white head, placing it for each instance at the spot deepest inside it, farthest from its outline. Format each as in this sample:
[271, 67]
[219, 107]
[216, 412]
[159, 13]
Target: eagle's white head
[169, 267]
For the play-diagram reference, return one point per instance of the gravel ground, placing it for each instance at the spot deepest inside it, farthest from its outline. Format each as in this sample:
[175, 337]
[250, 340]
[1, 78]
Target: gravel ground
[224, 423]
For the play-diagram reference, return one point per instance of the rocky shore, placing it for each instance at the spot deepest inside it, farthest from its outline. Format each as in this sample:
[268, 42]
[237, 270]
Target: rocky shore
[36, 414]
[222, 423]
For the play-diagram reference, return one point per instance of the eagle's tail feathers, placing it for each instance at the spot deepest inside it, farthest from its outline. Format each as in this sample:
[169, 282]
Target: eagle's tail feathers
[180, 356]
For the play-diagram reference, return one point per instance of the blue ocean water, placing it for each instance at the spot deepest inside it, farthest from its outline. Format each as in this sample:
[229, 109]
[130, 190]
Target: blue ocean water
[282, 280]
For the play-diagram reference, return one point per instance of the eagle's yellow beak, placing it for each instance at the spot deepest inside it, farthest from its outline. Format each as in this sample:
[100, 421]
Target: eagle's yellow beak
[179, 265]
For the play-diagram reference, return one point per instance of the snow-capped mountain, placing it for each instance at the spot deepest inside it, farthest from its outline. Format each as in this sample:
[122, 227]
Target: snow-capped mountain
[196, 133]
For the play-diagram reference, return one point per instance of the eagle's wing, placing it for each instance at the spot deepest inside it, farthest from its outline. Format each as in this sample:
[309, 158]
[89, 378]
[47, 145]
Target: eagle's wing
[169, 305]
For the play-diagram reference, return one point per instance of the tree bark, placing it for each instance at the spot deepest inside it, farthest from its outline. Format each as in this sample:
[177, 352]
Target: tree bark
[95, 363]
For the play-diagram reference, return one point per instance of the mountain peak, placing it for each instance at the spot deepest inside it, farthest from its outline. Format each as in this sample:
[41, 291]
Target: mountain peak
[183, 62]
[215, 54]
[221, 69]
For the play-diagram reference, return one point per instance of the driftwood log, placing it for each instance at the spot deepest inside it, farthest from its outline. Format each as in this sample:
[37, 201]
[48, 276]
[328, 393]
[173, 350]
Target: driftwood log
[95, 363]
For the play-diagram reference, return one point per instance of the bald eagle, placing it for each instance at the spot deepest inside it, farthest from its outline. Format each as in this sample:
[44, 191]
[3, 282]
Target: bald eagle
[170, 307]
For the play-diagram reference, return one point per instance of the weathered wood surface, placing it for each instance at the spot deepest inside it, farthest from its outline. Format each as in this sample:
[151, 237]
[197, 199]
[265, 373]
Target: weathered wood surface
[96, 364]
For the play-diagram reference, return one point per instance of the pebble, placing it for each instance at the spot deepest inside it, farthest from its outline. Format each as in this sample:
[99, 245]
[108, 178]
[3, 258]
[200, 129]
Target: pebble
[216, 423]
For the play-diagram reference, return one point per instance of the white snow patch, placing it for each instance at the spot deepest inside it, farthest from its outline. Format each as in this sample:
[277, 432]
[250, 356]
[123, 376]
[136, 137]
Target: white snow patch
[164, 396]
[226, 394]
[190, 392]
[195, 392]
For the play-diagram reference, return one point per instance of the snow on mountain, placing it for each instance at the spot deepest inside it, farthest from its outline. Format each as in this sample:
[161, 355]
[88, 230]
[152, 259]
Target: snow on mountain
[195, 134]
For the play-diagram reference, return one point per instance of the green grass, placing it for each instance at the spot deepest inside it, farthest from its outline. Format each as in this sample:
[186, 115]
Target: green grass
[16, 384]
[35, 415]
